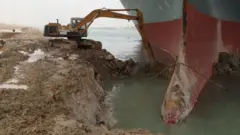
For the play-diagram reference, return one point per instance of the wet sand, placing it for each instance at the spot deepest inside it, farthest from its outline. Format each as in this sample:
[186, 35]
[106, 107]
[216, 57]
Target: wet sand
[52, 90]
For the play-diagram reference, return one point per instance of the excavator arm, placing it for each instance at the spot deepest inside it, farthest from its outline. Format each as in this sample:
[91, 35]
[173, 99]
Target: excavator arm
[112, 13]
[108, 13]
[79, 29]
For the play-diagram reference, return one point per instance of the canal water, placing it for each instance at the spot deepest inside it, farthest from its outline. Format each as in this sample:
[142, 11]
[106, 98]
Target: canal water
[137, 101]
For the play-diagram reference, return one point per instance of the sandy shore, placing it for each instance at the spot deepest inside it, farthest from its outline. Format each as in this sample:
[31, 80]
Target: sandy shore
[56, 90]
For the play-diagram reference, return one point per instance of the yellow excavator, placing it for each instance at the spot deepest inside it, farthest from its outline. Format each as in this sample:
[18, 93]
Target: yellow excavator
[78, 27]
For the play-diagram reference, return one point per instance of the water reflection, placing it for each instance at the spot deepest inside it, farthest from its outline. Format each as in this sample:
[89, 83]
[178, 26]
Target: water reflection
[137, 104]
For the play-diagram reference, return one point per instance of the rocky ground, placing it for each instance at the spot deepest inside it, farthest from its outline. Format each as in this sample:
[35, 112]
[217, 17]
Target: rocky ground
[228, 64]
[58, 90]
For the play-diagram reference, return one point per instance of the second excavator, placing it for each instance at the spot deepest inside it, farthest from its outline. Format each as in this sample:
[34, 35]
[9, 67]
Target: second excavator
[78, 28]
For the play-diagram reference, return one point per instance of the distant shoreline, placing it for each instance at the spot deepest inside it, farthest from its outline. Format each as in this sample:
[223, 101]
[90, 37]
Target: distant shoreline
[17, 26]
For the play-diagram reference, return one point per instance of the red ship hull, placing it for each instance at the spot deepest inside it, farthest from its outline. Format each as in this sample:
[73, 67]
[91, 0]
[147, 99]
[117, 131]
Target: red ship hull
[169, 34]
[206, 38]
[207, 34]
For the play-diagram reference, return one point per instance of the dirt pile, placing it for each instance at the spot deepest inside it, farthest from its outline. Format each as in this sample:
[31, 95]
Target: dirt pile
[64, 94]
[18, 32]
[63, 97]
[21, 34]
[228, 63]
[107, 65]
[110, 67]
[8, 60]
[10, 55]
[2, 43]
[10, 26]
[5, 35]
[60, 94]
[31, 33]
[103, 61]
[158, 70]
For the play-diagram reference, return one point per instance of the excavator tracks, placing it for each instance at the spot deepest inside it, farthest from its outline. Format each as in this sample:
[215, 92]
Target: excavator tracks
[90, 44]
[82, 44]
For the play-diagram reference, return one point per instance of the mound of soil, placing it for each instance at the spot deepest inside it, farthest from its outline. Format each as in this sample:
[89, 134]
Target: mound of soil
[228, 63]
[64, 94]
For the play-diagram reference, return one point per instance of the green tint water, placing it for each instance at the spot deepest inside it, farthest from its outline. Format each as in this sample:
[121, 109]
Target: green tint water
[137, 102]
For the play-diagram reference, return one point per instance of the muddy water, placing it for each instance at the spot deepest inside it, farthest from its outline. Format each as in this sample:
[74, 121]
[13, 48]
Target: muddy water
[137, 102]
[13, 82]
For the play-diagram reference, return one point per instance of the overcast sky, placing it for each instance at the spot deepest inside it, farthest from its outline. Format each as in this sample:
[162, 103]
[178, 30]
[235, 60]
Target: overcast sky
[40, 12]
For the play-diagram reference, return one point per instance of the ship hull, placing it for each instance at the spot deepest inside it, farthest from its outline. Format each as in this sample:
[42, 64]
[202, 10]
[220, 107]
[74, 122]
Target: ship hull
[165, 29]
[169, 35]
[212, 27]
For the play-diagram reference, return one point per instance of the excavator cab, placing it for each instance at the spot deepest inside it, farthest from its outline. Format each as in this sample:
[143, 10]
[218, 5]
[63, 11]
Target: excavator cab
[58, 30]
[75, 21]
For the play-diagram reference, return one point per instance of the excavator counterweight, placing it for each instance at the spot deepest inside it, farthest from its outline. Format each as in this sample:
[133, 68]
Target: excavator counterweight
[78, 27]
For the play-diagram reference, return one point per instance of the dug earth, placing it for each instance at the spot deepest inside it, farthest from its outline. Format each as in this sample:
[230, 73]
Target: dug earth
[56, 90]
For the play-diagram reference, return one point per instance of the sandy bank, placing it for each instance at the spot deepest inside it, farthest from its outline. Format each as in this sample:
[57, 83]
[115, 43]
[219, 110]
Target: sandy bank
[63, 93]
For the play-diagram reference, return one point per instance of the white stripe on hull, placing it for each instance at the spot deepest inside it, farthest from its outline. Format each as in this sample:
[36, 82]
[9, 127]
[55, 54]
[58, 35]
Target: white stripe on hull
[156, 10]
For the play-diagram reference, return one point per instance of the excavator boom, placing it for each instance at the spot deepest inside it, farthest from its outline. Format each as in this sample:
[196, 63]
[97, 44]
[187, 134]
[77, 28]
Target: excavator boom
[76, 31]
[110, 13]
